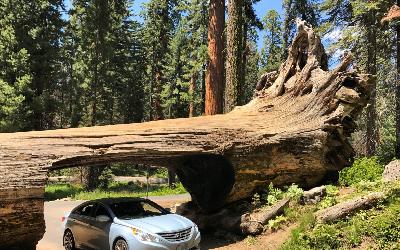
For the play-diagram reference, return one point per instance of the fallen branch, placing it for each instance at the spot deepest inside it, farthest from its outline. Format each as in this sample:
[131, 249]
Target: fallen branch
[340, 210]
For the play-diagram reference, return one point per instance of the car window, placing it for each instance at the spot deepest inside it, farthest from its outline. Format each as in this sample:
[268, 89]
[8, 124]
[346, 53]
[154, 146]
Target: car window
[101, 210]
[86, 210]
[135, 209]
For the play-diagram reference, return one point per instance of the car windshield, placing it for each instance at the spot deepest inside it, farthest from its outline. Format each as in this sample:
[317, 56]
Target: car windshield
[127, 210]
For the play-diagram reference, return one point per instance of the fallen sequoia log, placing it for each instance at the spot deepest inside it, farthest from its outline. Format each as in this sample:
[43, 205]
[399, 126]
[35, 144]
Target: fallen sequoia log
[294, 131]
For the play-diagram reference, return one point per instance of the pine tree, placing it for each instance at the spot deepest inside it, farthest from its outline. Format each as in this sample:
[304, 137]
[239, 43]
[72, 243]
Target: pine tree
[15, 74]
[36, 29]
[250, 23]
[273, 48]
[159, 22]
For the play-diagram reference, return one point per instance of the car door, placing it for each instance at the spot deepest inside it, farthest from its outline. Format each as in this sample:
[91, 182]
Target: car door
[82, 229]
[101, 230]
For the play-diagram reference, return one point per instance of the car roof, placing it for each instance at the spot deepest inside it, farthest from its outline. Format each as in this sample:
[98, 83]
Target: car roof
[108, 201]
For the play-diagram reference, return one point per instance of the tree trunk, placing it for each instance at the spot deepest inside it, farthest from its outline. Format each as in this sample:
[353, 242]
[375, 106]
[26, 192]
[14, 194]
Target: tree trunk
[192, 91]
[296, 130]
[245, 52]
[371, 136]
[215, 69]
[91, 177]
[398, 89]
[171, 178]
[234, 53]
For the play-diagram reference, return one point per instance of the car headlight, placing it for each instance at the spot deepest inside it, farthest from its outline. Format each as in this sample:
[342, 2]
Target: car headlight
[142, 236]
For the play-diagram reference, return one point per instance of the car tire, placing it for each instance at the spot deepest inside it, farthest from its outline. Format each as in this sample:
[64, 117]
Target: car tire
[121, 244]
[69, 240]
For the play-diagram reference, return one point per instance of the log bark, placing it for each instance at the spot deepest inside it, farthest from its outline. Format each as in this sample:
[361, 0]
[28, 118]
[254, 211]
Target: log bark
[340, 210]
[294, 131]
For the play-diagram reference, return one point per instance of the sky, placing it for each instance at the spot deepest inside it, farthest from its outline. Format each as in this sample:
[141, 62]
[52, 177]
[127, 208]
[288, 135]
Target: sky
[261, 9]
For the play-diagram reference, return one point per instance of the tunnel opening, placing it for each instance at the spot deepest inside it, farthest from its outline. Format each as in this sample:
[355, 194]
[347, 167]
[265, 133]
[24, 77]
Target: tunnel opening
[208, 178]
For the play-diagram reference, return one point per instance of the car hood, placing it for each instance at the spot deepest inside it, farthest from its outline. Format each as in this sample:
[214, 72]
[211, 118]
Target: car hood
[158, 224]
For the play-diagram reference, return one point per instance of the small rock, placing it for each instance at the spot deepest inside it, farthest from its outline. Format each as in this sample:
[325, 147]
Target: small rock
[313, 196]
[392, 171]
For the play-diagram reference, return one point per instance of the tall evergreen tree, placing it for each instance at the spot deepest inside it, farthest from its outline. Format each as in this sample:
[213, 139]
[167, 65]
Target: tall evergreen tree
[159, 22]
[215, 70]
[250, 23]
[35, 29]
[273, 48]
[15, 76]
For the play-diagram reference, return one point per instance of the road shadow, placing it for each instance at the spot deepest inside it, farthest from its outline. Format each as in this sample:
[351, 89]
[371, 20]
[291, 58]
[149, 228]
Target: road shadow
[212, 240]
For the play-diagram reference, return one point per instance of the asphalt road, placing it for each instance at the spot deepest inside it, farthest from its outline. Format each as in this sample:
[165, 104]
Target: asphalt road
[54, 210]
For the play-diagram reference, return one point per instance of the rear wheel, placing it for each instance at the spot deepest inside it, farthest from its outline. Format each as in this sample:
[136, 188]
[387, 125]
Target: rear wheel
[121, 245]
[68, 240]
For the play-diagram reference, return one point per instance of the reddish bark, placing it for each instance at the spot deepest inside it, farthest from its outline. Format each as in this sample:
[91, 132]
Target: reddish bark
[215, 69]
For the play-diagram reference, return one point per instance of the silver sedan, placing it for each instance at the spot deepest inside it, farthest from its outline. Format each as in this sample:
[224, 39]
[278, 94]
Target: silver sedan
[127, 224]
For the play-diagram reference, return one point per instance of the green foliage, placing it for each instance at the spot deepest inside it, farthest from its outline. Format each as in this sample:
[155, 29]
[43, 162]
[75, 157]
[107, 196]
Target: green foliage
[60, 191]
[105, 178]
[273, 195]
[306, 222]
[331, 197]
[276, 223]
[115, 189]
[363, 169]
[381, 224]
[251, 240]
[294, 192]
[271, 53]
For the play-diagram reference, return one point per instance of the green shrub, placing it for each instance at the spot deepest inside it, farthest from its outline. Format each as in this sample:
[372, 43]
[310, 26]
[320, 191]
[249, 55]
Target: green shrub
[363, 169]
[380, 224]
[330, 198]
[105, 178]
[323, 237]
[294, 192]
[273, 195]
[276, 223]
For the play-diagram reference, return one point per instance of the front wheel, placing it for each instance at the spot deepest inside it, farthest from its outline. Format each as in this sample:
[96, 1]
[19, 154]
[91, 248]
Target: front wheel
[68, 240]
[121, 245]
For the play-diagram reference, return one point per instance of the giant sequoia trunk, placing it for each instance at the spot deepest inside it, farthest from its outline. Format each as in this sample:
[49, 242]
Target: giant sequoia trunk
[214, 81]
[294, 131]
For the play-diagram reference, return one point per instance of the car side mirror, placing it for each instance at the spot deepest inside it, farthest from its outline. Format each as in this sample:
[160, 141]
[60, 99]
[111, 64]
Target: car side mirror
[103, 218]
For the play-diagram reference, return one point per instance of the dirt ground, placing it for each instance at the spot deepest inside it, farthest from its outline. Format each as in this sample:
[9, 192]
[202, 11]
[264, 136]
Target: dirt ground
[267, 241]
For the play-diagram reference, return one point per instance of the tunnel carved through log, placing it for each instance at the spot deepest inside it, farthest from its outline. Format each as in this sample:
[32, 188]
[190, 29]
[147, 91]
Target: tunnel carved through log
[295, 130]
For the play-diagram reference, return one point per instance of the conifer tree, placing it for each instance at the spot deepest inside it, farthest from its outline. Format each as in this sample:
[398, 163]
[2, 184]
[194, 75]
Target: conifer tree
[272, 49]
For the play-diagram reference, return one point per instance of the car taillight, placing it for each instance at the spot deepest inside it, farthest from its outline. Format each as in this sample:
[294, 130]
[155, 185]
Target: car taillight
[62, 219]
